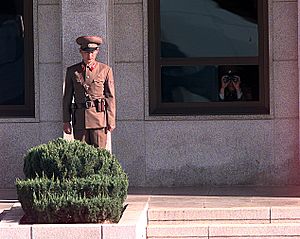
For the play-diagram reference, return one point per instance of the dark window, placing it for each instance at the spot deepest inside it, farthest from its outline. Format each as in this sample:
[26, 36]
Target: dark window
[16, 59]
[208, 57]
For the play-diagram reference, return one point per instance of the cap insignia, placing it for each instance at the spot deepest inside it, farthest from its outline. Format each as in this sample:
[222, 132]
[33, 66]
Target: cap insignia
[92, 45]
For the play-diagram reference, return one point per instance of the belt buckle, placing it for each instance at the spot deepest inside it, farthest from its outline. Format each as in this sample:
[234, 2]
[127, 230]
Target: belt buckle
[88, 104]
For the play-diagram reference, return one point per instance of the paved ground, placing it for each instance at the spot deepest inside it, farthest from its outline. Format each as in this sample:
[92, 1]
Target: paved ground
[246, 196]
[7, 199]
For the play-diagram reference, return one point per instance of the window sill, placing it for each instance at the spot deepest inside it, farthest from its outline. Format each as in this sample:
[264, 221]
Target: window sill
[208, 117]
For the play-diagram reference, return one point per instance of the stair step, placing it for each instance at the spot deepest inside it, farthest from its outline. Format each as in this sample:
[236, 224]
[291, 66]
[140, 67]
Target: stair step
[262, 214]
[197, 230]
[223, 217]
[207, 222]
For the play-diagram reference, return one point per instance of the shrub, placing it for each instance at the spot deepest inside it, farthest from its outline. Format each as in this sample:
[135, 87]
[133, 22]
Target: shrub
[71, 182]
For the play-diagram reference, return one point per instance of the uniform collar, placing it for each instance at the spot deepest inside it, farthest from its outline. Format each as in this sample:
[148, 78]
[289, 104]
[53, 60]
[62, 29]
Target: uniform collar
[91, 67]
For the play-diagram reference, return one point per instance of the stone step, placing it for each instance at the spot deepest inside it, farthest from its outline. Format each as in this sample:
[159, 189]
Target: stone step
[208, 222]
[218, 231]
[242, 214]
[229, 217]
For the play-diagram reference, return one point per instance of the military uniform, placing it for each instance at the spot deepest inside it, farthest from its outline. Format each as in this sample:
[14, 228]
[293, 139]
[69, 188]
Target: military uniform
[93, 109]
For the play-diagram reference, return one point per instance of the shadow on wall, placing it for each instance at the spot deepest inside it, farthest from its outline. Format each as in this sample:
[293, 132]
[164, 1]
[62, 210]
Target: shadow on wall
[227, 175]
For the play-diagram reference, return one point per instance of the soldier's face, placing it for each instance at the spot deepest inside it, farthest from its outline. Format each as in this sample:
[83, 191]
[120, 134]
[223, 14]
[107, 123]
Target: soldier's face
[89, 57]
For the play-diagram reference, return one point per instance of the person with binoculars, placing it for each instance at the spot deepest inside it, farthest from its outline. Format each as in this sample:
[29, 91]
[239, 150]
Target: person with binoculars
[230, 87]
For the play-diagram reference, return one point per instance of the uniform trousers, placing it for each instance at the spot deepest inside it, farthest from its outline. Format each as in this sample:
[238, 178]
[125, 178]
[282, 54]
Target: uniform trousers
[95, 137]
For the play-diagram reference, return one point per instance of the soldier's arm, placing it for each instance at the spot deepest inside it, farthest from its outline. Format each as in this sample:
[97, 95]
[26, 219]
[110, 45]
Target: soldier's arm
[67, 100]
[109, 92]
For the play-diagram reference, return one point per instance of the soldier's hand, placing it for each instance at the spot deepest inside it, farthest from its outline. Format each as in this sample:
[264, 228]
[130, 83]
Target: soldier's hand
[109, 128]
[224, 83]
[67, 128]
[237, 83]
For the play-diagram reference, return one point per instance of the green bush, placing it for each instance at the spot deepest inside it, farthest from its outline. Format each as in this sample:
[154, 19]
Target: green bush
[71, 182]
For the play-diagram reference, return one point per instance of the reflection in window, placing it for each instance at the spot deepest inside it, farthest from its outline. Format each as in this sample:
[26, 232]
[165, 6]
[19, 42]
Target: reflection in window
[238, 83]
[12, 53]
[204, 83]
[208, 28]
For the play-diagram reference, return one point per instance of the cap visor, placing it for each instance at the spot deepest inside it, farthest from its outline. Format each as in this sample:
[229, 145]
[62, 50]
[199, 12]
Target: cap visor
[87, 49]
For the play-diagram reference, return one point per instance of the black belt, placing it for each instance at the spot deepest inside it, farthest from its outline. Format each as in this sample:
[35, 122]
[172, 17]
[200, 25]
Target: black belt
[89, 104]
[83, 105]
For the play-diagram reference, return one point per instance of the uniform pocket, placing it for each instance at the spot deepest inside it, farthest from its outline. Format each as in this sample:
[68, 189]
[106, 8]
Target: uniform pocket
[97, 82]
[97, 87]
[99, 79]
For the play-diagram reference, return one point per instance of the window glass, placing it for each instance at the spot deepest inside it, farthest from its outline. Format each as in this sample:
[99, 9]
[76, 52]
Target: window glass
[208, 28]
[203, 83]
[12, 53]
[16, 59]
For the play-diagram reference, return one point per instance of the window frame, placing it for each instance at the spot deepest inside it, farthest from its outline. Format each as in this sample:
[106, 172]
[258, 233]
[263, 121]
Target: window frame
[27, 110]
[157, 107]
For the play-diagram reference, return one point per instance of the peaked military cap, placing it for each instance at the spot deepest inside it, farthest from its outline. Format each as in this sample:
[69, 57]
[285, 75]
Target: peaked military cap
[89, 43]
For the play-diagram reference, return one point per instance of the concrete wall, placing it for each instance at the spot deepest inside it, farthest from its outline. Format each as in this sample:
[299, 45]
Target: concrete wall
[160, 151]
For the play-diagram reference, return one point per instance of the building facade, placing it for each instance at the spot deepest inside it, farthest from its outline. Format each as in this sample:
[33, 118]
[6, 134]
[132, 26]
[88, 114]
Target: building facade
[166, 135]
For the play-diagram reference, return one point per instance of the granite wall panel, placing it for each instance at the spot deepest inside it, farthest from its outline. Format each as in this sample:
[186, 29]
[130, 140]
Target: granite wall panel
[284, 30]
[129, 84]
[128, 33]
[49, 33]
[129, 147]
[286, 89]
[51, 90]
[208, 153]
[15, 140]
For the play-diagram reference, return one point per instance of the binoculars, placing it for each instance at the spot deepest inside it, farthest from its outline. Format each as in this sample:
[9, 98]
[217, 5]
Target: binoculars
[228, 78]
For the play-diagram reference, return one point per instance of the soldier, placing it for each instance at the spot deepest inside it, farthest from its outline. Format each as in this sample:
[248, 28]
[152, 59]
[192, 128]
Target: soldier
[90, 86]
